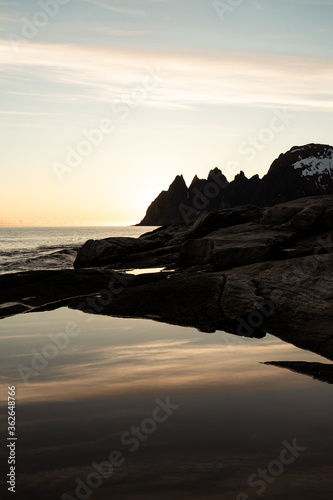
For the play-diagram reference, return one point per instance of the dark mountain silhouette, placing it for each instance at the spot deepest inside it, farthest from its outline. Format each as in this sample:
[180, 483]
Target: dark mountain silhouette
[302, 171]
[165, 208]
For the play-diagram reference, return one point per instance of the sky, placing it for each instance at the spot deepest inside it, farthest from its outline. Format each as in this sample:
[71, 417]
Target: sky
[104, 102]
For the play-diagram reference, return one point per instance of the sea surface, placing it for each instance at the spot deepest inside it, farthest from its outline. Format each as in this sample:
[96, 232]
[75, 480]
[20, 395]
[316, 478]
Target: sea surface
[131, 409]
[40, 248]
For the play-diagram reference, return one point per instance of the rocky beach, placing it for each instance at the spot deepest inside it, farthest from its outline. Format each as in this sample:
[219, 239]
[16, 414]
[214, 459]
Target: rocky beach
[245, 270]
[133, 313]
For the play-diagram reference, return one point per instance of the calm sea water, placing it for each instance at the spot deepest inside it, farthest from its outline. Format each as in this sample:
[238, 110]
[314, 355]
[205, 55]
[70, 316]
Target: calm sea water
[32, 248]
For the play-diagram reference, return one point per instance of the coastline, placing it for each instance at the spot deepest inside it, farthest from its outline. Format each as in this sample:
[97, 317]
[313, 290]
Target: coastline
[245, 270]
[95, 350]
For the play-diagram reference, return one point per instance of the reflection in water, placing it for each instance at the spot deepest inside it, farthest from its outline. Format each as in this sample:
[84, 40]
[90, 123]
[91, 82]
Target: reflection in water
[318, 371]
[234, 412]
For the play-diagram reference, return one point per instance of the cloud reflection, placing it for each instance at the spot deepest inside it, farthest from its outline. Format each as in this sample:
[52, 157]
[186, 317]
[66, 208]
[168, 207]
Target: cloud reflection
[234, 412]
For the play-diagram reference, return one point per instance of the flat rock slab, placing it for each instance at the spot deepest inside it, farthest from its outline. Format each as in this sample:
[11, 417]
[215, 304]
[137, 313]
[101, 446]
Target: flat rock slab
[96, 253]
[235, 246]
[24, 292]
[291, 299]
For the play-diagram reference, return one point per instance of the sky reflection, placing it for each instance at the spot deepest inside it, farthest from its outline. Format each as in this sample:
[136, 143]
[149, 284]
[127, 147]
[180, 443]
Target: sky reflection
[234, 412]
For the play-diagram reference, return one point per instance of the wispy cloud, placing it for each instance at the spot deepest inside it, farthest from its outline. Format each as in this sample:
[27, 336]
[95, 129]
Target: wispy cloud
[107, 30]
[315, 3]
[30, 113]
[118, 10]
[8, 17]
[258, 6]
[101, 75]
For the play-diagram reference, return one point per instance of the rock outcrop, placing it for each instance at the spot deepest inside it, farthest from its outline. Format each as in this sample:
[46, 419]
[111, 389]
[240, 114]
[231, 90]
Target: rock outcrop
[236, 246]
[165, 207]
[95, 253]
[303, 171]
[245, 270]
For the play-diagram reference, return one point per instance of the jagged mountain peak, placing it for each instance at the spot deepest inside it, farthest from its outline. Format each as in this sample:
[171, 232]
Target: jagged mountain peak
[215, 170]
[240, 176]
[178, 181]
[196, 181]
[302, 171]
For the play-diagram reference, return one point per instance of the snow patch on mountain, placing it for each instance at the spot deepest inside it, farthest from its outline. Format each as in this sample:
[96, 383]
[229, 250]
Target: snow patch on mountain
[316, 166]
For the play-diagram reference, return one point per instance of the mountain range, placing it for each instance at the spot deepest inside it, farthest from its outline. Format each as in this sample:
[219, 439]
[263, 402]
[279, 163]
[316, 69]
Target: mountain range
[300, 172]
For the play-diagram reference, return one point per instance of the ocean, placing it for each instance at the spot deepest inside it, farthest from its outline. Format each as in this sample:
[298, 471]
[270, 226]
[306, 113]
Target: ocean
[42, 248]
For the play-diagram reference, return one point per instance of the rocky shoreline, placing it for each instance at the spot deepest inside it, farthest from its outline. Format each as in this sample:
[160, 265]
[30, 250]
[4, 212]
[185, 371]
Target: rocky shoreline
[245, 270]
